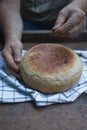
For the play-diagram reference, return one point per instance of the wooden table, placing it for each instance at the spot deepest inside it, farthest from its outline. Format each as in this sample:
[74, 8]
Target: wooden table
[26, 116]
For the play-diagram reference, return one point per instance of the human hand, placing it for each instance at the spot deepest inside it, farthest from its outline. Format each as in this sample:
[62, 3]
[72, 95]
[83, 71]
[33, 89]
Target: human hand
[12, 55]
[70, 22]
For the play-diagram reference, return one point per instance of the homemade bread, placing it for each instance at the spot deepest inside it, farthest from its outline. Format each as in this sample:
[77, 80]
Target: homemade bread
[50, 68]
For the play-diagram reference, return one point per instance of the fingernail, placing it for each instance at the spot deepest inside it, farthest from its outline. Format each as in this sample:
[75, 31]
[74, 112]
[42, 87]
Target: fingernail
[56, 26]
[17, 59]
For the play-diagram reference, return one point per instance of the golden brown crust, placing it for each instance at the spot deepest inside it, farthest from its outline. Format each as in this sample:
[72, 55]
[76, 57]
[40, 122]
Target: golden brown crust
[50, 58]
[51, 68]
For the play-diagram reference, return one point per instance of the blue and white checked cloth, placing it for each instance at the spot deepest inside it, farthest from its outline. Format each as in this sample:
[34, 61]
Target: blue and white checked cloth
[12, 90]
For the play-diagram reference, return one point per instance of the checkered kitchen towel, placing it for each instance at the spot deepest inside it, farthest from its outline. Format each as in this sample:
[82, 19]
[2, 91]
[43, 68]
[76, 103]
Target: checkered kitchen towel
[12, 90]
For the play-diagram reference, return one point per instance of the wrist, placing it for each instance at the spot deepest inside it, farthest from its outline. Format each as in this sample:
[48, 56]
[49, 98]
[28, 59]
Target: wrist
[11, 37]
[81, 4]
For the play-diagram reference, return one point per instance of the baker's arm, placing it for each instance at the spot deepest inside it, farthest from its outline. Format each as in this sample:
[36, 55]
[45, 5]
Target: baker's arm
[11, 22]
[10, 18]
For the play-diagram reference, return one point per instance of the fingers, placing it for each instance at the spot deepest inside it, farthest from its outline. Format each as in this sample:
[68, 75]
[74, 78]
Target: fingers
[17, 54]
[16, 74]
[73, 32]
[72, 23]
[60, 20]
[8, 56]
[12, 66]
[12, 55]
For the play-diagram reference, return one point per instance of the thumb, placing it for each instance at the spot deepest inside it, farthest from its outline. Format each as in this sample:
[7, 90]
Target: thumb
[61, 19]
[17, 55]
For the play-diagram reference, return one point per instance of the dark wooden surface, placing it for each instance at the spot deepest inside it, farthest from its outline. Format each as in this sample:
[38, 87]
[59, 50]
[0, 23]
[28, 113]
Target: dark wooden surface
[26, 116]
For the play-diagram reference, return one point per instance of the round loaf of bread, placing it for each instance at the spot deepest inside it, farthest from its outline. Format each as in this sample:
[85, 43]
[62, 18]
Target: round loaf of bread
[50, 68]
